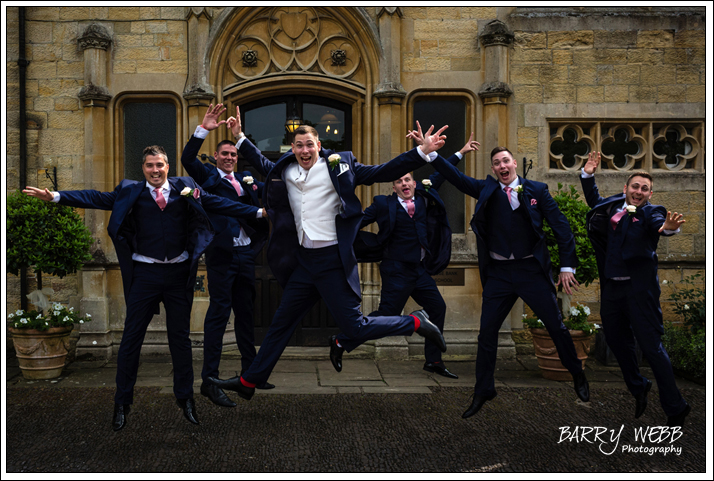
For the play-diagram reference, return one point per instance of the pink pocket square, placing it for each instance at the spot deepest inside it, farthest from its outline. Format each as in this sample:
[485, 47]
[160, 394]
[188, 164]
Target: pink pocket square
[635, 219]
[534, 202]
[196, 193]
[255, 187]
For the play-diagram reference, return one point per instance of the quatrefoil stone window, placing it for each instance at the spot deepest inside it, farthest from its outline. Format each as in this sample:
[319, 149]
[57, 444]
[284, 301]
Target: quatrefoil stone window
[570, 148]
[620, 147]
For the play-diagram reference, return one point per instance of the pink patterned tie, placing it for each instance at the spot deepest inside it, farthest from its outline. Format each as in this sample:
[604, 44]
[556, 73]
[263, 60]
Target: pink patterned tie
[160, 200]
[510, 199]
[410, 207]
[235, 184]
[616, 218]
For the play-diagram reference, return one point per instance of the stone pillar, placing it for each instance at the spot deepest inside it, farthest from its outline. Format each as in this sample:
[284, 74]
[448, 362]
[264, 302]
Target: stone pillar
[198, 92]
[95, 338]
[495, 92]
[390, 95]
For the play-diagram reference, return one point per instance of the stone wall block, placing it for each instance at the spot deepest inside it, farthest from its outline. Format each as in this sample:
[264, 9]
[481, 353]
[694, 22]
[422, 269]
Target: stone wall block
[675, 56]
[124, 66]
[44, 104]
[645, 56]
[42, 70]
[124, 13]
[459, 48]
[66, 120]
[157, 27]
[481, 13]
[137, 53]
[696, 93]
[465, 64]
[553, 74]
[66, 103]
[531, 39]
[122, 41]
[590, 94]
[99, 12]
[38, 32]
[671, 93]
[138, 27]
[75, 13]
[626, 74]
[172, 66]
[656, 75]
[412, 64]
[73, 70]
[443, 13]
[528, 55]
[583, 75]
[526, 94]
[687, 74]
[429, 48]
[571, 39]
[417, 13]
[524, 75]
[44, 52]
[527, 139]
[438, 64]
[690, 38]
[655, 38]
[559, 94]
[149, 13]
[642, 94]
[42, 13]
[680, 244]
[173, 13]
[696, 56]
[563, 57]
[436, 29]
[54, 142]
[604, 74]
[614, 38]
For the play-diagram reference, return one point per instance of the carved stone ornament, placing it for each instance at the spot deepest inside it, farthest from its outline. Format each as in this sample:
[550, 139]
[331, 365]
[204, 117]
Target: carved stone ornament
[94, 92]
[495, 89]
[95, 36]
[389, 11]
[339, 57]
[496, 33]
[250, 58]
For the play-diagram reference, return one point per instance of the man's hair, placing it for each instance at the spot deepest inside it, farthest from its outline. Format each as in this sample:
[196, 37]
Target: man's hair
[306, 129]
[408, 173]
[499, 149]
[155, 150]
[218, 147]
[644, 174]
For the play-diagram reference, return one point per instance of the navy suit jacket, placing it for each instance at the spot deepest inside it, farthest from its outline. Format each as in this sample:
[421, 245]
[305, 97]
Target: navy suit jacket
[539, 205]
[283, 244]
[210, 179]
[384, 211]
[123, 197]
[640, 236]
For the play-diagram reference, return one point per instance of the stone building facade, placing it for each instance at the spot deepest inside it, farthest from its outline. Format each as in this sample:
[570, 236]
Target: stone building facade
[549, 83]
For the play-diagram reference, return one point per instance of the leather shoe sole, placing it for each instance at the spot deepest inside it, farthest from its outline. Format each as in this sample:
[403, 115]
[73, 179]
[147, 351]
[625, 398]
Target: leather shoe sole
[216, 395]
[582, 388]
[641, 400]
[476, 405]
[336, 354]
[428, 330]
[233, 384]
[440, 370]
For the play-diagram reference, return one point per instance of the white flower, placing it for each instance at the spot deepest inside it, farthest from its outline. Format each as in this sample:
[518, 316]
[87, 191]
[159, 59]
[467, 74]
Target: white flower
[541, 323]
[574, 311]
[81, 321]
[426, 183]
[186, 191]
[10, 316]
[519, 189]
[664, 282]
[524, 316]
[65, 319]
[57, 313]
[597, 326]
[686, 307]
[89, 315]
[71, 309]
[19, 312]
[248, 179]
[39, 316]
[47, 323]
[631, 209]
[334, 157]
[23, 320]
[94, 342]
[17, 325]
[587, 310]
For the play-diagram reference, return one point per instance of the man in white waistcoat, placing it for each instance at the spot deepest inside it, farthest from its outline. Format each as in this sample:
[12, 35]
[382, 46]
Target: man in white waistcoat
[310, 197]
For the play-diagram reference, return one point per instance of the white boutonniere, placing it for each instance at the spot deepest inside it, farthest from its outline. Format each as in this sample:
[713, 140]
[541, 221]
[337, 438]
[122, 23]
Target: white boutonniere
[248, 180]
[189, 192]
[631, 209]
[519, 189]
[427, 184]
[334, 161]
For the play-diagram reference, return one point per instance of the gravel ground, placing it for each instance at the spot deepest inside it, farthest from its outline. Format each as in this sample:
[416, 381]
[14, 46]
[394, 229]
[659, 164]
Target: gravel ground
[516, 432]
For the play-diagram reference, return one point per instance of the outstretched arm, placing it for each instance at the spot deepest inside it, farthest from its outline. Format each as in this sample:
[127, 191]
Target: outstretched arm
[587, 181]
[85, 199]
[223, 206]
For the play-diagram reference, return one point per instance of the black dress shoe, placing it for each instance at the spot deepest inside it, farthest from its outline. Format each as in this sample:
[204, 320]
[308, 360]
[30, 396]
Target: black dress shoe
[477, 404]
[678, 420]
[265, 385]
[233, 384]
[641, 400]
[336, 354]
[189, 409]
[216, 395]
[440, 369]
[582, 388]
[428, 330]
[120, 413]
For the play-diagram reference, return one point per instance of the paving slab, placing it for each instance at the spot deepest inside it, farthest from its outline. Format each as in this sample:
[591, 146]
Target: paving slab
[352, 370]
[409, 380]
[401, 367]
[348, 390]
[508, 365]
[295, 365]
[149, 369]
[603, 376]
[397, 390]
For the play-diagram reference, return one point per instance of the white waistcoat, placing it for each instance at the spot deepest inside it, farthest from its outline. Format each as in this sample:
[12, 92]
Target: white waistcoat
[314, 201]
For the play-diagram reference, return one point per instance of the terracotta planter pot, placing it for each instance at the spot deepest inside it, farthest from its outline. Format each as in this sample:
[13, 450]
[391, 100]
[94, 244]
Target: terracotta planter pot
[41, 354]
[547, 354]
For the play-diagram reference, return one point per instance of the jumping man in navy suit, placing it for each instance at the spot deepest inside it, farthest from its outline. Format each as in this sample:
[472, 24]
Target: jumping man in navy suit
[159, 229]
[415, 232]
[626, 251]
[514, 262]
[310, 197]
[230, 259]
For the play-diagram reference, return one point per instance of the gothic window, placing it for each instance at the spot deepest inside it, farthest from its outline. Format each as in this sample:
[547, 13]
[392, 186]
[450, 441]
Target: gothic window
[148, 123]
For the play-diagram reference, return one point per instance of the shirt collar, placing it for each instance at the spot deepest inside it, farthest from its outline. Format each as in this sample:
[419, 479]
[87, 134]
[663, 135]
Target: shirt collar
[403, 202]
[166, 185]
[223, 174]
[512, 185]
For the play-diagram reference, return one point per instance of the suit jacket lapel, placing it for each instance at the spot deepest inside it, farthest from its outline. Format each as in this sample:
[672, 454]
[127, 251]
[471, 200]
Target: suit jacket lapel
[333, 174]
[123, 207]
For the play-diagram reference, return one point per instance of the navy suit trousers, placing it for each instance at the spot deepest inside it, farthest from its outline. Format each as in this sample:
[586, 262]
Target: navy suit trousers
[320, 274]
[233, 289]
[400, 280]
[627, 316]
[152, 284]
[507, 281]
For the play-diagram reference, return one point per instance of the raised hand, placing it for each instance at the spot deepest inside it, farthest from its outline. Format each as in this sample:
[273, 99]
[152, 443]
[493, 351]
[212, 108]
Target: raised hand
[592, 163]
[42, 194]
[234, 123]
[672, 223]
[432, 142]
[470, 146]
[567, 279]
[417, 137]
[210, 120]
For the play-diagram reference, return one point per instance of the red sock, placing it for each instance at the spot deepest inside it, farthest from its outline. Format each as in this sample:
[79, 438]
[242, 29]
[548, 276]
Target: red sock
[246, 383]
[416, 323]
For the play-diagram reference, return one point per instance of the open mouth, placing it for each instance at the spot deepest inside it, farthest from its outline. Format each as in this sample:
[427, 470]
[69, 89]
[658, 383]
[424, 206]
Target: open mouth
[504, 175]
[407, 192]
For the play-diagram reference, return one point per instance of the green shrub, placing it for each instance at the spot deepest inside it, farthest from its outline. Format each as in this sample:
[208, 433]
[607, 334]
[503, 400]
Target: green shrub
[49, 237]
[690, 303]
[575, 210]
[686, 349]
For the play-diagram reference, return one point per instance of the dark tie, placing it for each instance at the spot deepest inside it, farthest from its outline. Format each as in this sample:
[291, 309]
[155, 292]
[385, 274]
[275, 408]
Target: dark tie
[616, 218]
[160, 198]
[410, 207]
[235, 184]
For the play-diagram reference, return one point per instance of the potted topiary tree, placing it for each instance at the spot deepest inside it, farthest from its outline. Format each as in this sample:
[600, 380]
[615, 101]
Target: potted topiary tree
[49, 238]
[575, 210]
